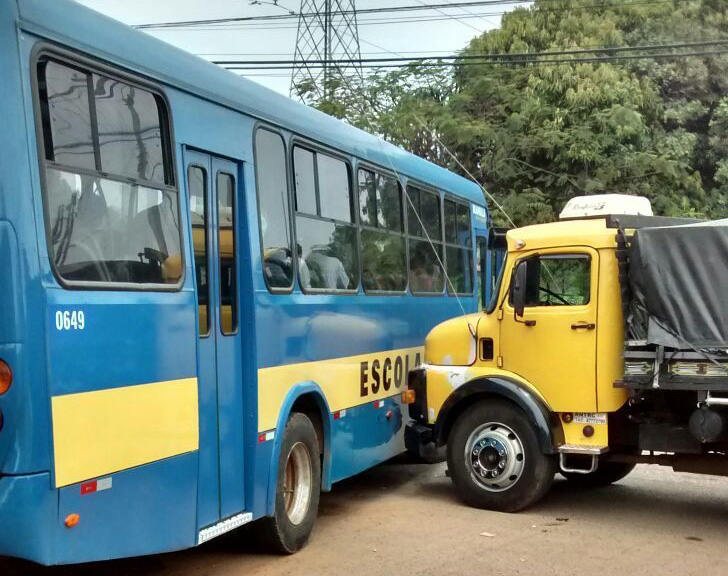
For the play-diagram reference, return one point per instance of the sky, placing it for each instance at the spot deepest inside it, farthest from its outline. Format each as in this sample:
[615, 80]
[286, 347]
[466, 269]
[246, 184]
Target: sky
[442, 31]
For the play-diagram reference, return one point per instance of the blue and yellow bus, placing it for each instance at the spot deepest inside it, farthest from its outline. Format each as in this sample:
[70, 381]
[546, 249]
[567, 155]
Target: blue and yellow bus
[210, 295]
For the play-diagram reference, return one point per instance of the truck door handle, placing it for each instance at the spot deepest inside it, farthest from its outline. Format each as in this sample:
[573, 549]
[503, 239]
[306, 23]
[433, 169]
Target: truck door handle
[583, 326]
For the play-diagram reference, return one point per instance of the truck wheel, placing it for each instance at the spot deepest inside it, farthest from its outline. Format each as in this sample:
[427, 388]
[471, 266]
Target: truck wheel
[494, 458]
[297, 490]
[606, 473]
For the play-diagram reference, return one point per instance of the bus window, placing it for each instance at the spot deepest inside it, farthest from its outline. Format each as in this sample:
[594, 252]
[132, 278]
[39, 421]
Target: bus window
[326, 236]
[126, 110]
[458, 249]
[270, 170]
[226, 242]
[334, 188]
[425, 242]
[384, 261]
[112, 212]
[305, 180]
[197, 185]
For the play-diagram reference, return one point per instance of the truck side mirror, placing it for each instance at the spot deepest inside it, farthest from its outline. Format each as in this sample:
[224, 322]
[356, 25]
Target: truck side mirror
[518, 290]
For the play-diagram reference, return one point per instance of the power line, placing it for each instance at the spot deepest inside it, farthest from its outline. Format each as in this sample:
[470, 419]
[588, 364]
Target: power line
[451, 17]
[382, 51]
[208, 25]
[364, 22]
[509, 61]
[466, 11]
[485, 57]
[334, 13]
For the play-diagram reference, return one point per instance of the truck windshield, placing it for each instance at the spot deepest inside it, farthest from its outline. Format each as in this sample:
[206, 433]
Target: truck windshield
[493, 302]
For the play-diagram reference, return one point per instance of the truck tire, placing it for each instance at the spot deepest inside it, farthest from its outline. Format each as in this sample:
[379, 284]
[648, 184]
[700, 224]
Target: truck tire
[495, 460]
[606, 473]
[298, 488]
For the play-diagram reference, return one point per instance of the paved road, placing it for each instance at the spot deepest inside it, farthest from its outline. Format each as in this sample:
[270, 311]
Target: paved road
[404, 519]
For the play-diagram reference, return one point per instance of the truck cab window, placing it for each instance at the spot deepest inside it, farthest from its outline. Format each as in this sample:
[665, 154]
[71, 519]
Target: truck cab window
[558, 280]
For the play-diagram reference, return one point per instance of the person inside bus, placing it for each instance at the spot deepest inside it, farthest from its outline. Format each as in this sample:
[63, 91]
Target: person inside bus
[303, 272]
[425, 275]
[326, 268]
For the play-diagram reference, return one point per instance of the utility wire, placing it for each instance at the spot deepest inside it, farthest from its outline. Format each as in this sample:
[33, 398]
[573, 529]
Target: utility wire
[335, 13]
[519, 57]
[402, 20]
[473, 14]
[537, 62]
[363, 22]
[451, 17]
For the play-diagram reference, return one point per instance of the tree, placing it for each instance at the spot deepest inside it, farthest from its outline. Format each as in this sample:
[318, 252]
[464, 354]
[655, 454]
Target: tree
[536, 135]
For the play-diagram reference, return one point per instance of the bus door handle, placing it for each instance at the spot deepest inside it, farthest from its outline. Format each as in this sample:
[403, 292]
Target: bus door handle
[583, 326]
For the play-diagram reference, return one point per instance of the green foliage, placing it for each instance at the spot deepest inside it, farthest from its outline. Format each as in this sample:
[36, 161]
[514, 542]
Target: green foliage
[537, 135]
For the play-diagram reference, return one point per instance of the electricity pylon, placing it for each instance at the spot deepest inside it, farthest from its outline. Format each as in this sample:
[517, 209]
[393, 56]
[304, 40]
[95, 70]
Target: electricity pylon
[327, 47]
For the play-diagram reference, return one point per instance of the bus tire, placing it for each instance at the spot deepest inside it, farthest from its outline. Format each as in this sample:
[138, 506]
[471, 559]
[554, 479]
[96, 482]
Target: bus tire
[495, 460]
[606, 473]
[298, 488]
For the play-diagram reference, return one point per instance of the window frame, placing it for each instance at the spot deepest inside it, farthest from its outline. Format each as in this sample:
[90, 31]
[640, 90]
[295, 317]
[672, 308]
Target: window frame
[291, 207]
[575, 255]
[401, 180]
[441, 205]
[208, 246]
[298, 141]
[445, 244]
[44, 51]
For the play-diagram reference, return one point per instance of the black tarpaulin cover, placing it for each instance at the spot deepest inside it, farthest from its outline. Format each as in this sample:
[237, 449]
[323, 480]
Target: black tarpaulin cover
[679, 282]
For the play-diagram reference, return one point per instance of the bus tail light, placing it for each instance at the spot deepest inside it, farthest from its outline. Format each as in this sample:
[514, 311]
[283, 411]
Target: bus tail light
[408, 396]
[6, 377]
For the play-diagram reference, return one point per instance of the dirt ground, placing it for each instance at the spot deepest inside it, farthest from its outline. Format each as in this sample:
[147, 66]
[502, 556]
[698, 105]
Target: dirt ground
[404, 519]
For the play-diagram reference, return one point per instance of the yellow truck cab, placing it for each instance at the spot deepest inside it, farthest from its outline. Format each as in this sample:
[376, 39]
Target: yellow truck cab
[537, 382]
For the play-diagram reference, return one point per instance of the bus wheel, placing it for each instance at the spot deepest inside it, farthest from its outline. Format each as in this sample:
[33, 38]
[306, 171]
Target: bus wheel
[494, 458]
[606, 473]
[297, 490]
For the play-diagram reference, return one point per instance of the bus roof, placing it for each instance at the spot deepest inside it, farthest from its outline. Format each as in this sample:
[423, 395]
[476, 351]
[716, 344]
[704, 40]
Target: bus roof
[91, 32]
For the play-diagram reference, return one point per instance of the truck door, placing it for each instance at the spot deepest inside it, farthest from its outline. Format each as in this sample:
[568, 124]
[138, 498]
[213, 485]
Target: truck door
[553, 346]
[212, 186]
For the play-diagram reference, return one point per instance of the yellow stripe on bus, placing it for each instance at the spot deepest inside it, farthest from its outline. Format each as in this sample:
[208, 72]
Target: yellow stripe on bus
[346, 382]
[97, 433]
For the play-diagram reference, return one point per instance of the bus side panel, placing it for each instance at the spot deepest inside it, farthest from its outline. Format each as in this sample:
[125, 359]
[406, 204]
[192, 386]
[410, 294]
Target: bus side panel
[24, 438]
[340, 344]
[26, 531]
[365, 436]
[145, 510]
[130, 345]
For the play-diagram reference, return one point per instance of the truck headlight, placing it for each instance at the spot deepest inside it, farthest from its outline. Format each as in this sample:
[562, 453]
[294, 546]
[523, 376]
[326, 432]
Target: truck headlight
[638, 368]
[697, 369]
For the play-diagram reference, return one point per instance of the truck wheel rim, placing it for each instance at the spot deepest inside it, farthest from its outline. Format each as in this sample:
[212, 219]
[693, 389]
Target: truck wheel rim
[297, 483]
[495, 457]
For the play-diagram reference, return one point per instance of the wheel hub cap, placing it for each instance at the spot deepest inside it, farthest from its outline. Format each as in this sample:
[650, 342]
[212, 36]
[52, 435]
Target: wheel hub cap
[297, 483]
[495, 456]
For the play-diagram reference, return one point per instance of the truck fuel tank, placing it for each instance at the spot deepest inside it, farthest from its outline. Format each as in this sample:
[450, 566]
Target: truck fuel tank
[709, 424]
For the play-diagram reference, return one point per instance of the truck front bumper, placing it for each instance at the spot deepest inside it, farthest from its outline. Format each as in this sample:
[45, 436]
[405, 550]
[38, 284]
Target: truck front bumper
[418, 437]
[417, 382]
